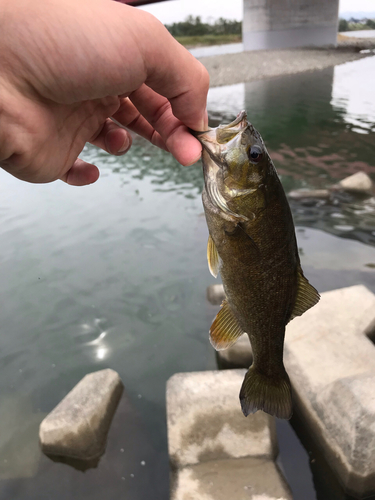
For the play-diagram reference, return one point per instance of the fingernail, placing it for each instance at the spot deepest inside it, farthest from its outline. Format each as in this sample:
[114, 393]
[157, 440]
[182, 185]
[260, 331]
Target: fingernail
[125, 145]
[204, 121]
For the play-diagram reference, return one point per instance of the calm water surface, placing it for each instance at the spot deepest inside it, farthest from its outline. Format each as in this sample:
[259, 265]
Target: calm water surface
[115, 274]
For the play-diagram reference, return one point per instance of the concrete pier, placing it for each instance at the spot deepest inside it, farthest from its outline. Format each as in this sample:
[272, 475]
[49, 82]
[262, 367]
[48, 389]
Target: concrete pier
[278, 24]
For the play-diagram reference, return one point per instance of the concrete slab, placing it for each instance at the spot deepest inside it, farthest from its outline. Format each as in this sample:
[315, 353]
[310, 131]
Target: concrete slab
[239, 479]
[78, 426]
[205, 421]
[331, 364]
[215, 294]
[239, 355]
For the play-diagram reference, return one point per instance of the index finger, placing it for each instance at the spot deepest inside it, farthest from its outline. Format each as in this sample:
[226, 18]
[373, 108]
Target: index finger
[184, 81]
[170, 69]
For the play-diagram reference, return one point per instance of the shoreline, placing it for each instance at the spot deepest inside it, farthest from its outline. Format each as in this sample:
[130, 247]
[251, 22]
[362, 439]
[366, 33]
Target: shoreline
[229, 69]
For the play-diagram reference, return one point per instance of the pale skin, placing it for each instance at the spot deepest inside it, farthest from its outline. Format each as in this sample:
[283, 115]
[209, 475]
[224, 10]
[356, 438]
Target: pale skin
[68, 66]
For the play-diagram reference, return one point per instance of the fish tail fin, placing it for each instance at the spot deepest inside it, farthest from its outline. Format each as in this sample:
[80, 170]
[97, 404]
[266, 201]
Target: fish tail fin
[270, 394]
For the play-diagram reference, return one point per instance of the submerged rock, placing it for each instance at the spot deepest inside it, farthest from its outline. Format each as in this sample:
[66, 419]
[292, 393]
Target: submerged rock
[78, 426]
[302, 194]
[359, 182]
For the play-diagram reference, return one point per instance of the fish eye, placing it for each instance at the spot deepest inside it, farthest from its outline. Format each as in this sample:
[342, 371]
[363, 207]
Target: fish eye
[255, 154]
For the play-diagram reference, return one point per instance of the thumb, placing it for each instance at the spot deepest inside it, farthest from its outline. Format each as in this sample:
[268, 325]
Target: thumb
[81, 174]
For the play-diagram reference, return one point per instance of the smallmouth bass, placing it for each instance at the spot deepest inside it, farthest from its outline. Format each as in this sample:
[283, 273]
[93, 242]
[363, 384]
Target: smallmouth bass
[252, 244]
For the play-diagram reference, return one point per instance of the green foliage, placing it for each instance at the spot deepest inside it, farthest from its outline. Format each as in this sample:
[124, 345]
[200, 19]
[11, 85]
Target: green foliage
[193, 26]
[203, 40]
[343, 25]
[356, 24]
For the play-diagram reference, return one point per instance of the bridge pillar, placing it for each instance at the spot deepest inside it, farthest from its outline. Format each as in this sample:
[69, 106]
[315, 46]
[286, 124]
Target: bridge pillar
[278, 24]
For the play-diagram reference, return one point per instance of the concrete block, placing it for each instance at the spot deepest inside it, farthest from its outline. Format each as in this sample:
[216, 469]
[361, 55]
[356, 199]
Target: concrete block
[78, 426]
[240, 479]
[215, 294]
[331, 364]
[205, 421]
[239, 355]
[359, 182]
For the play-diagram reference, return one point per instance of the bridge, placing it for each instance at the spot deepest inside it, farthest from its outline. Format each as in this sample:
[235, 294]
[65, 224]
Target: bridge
[277, 24]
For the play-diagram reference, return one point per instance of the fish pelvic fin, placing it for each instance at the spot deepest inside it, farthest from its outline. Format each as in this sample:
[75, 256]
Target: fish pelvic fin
[225, 329]
[270, 394]
[307, 296]
[212, 257]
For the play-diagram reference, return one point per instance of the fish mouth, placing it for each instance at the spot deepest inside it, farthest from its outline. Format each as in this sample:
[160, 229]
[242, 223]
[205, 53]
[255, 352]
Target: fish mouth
[220, 134]
[239, 123]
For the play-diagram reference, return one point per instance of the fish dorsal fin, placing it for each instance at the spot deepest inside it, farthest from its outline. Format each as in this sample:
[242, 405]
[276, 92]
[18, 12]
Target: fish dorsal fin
[212, 257]
[225, 330]
[307, 296]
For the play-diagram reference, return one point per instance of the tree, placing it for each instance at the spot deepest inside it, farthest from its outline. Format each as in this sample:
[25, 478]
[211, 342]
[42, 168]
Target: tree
[343, 25]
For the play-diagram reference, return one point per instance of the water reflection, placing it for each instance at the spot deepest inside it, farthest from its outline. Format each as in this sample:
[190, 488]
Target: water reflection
[353, 96]
[318, 127]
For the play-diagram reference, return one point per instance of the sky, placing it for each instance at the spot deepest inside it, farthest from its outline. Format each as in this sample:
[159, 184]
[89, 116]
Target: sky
[177, 10]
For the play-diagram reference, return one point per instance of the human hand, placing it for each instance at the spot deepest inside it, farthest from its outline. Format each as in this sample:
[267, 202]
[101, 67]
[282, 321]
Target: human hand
[66, 67]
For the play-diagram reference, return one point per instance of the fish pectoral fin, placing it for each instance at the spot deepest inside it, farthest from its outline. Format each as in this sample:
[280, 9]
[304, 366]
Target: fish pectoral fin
[212, 257]
[225, 329]
[307, 296]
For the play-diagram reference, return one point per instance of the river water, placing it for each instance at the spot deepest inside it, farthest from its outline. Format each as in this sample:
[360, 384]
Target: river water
[115, 275]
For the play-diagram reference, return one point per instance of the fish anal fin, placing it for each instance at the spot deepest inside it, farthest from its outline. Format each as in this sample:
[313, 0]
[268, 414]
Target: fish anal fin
[307, 296]
[212, 257]
[270, 394]
[225, 329]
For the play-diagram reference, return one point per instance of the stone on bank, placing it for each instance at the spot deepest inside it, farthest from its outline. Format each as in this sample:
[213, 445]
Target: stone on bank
[78, 426]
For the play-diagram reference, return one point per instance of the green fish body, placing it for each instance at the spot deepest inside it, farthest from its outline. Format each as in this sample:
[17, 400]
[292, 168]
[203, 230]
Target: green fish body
[252, 244]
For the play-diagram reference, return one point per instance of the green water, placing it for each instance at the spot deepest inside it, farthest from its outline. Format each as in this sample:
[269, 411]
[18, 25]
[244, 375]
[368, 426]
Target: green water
[115, 275]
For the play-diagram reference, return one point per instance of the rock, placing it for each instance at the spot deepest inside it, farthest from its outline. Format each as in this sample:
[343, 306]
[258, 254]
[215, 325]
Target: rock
[78, 426]
[215, 294]
[205, 421]
[239, 355]
[240, 479]
[359, 182]
[331, 364]
[303, 194]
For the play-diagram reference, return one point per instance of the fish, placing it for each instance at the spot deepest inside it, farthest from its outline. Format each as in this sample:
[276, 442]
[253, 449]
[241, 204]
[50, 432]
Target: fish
[252, 244]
